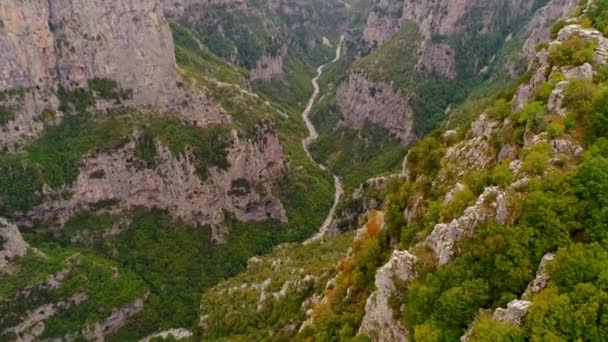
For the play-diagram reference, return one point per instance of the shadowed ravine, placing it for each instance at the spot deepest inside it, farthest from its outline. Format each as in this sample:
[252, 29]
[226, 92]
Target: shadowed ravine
[313, 135]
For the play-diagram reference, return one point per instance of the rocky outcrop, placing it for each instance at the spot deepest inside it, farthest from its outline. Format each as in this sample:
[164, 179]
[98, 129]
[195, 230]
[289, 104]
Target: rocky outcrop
[270, 66]
[118, 318]
[361, 100]
[541, 280]
[379, 322]
[244, 189]
[513, 313]
[177, 334]
[12, 244]
[517, 309]
[539, 26]
[383, 21]
[445, 235]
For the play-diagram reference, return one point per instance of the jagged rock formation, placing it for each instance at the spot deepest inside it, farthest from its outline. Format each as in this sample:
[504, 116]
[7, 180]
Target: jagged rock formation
[444, 236]
[12, 244]
[269, 67]
[381, 103]
[244, 189]
[378, 321]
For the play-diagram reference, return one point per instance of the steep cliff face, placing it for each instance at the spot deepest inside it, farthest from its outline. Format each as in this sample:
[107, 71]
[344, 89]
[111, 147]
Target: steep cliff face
[49, 45]
[97, 39]
[360, 100]
[244, 189]
[270, 67]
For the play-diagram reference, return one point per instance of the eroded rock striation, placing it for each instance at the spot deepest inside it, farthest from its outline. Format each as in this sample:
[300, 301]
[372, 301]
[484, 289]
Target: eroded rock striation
[361, 100]
[51, 44]
[379, 322]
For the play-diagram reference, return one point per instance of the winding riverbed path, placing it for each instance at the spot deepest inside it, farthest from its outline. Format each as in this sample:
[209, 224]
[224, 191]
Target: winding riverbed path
[313, 135]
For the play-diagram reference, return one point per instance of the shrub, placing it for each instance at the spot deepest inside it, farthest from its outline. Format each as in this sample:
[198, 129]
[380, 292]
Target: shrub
[560, 24]
[499, 109]
[501, 175]
[145, 149]
[591, 184]
[598, 13]
[460, 201]
[574, 51]
[578, 95]
[597, 120]
[555, 129]
[537, 158]
[533, 113]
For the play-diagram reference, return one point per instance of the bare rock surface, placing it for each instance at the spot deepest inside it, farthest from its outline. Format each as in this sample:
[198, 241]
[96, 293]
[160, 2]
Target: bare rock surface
[445, 235]
[48, 44]
[12, 244]
[360, 100]
[378, 322]
[269, 67]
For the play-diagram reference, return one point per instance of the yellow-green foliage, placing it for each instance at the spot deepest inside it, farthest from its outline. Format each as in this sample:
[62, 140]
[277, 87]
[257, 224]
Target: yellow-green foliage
[536, 158]
[460, 201]
[487, 329]
[574, 51]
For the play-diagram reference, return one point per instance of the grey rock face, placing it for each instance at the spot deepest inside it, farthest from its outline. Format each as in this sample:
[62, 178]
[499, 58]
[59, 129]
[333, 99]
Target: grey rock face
[445, 235]
[269, 67]
[444, 18]
[515, 311]
[12, 244]
[360, 100]
[125, 40]
[47, 44]
[542, 278]
[244, 189]
[378, 322]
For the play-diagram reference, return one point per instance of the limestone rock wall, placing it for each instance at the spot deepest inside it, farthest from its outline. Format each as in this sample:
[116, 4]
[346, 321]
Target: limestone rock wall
[244, 189]
[360, 100]
[45, 44]
[269, 67]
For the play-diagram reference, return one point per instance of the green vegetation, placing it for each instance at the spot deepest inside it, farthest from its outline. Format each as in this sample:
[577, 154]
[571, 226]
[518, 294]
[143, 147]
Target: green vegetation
[576, 50]
[288, 265]
[145, 149]
[359, 155]
[11, 101]
[598, 13]
[196, 58]
[6, 114]
[108, 89]
[338, 316]
[104, 283]
[54, 159]
[209, 146]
